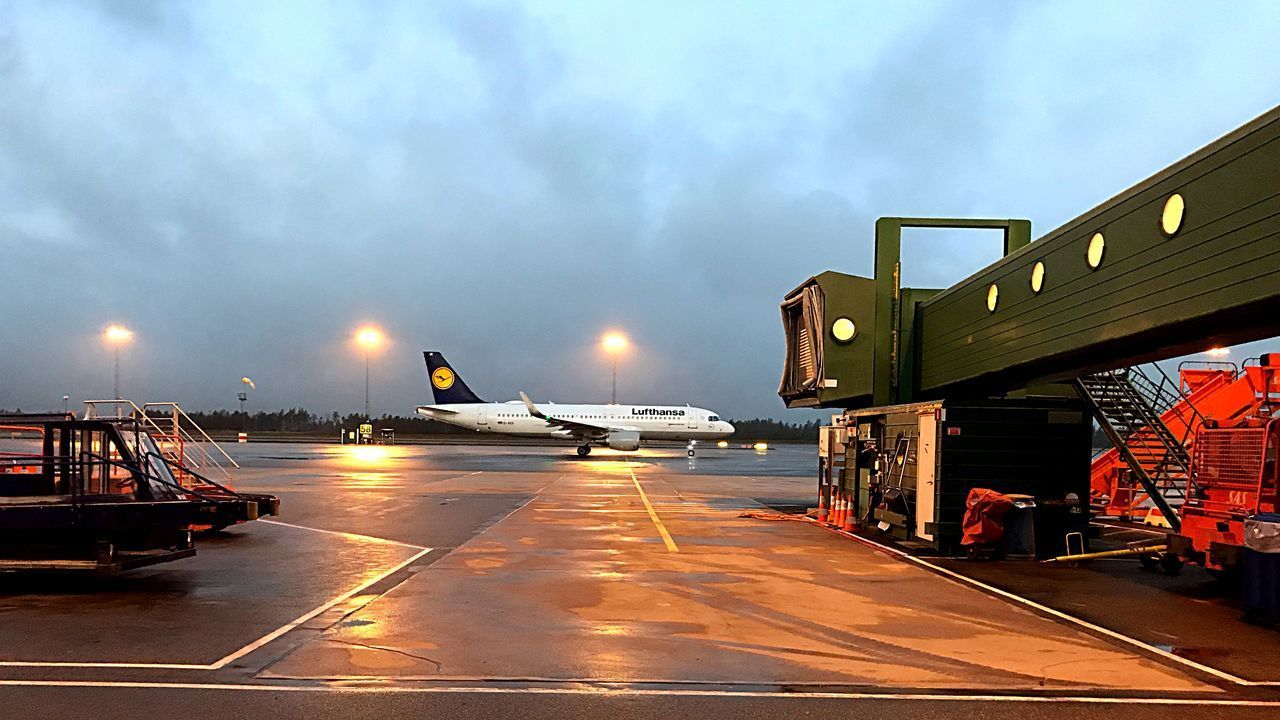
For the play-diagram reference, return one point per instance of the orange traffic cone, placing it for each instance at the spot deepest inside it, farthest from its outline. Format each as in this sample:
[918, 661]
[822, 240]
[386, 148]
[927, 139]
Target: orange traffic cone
[847, 525]
[837, 518]
[822, 506]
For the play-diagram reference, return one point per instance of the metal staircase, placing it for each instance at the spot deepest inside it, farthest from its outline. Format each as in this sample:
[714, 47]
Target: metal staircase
[178, 437]
[1128, 405]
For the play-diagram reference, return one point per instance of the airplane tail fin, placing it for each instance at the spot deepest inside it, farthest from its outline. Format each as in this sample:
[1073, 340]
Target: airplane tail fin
[446, 385]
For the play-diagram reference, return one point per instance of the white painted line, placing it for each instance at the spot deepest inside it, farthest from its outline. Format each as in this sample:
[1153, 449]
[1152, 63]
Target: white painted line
[381, 687]
[1044, 609]
[339, 533]
[253, 645]
[223, 662]
[118, 665]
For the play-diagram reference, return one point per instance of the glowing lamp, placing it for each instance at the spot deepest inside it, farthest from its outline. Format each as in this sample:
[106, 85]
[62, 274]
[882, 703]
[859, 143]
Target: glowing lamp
[614, 342]
[369, 337]
[117, 334]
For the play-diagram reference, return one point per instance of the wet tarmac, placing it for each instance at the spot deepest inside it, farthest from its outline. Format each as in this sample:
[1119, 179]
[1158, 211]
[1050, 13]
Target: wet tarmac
[526, 581]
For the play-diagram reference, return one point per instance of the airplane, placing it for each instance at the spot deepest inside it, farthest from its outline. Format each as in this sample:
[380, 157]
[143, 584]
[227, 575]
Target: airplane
[618, 427]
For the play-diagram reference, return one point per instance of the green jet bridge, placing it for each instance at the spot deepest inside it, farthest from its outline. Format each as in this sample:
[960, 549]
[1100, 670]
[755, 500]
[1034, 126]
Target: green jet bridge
[1184, 260]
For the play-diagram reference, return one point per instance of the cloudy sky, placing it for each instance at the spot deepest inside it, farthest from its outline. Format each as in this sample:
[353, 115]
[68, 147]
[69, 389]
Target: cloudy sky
[243, 184]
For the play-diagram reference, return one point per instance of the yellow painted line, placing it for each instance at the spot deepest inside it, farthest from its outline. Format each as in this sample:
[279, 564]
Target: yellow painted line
[653, 515]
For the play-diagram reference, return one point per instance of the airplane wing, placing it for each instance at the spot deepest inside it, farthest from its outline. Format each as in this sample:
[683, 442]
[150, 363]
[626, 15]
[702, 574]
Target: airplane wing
[580, 430]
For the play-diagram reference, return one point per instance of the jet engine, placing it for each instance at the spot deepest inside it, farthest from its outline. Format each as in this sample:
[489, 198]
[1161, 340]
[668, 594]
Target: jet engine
[623, 440]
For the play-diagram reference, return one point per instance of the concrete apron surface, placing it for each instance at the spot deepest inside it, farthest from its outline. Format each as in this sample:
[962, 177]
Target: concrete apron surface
[614, 573]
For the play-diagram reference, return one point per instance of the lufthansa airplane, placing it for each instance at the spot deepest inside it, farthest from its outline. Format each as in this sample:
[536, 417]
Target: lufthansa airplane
[620, 427]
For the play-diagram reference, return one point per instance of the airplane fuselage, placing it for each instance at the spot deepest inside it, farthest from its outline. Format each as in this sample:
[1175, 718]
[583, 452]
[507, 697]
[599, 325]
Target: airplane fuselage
[653, 422]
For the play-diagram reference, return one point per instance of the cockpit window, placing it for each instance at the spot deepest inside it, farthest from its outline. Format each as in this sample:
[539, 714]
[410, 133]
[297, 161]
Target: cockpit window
[714, 418]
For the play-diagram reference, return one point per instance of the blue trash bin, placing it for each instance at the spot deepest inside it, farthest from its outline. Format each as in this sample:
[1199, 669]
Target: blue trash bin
[1261, 565]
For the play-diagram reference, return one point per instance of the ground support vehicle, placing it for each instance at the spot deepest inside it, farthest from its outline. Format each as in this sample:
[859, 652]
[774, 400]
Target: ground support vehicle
[194, 458]
[1218, 393]
[97, 495]
[1234, 475]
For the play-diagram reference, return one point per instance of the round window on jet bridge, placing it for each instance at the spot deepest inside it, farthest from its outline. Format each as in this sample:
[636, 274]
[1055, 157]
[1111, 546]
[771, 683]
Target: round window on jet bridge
[1097, 246]
[1037, 277]
[993, 297]
[843, 329]
[1171, 216]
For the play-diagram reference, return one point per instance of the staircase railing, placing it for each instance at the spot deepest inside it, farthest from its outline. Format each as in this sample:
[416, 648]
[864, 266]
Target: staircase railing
[209, 455]
[1128, 417]
[174, 431]
[1166, 394]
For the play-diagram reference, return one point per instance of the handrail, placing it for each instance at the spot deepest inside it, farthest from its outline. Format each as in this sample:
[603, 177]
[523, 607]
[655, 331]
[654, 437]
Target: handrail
[179, 432]
[1210, 365]
[1197, 419]
[146, 472]
[1115, 380]
[137, 413]
[204, 436]
[183, 468]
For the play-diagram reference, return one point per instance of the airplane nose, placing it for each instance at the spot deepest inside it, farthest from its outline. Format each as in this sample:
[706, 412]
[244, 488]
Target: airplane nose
[728, 427]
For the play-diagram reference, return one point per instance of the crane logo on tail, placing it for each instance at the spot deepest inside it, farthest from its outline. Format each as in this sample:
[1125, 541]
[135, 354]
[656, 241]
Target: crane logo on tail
[442, 378]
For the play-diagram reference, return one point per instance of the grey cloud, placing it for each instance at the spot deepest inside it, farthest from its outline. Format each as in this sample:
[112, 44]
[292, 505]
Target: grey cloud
[244, 185]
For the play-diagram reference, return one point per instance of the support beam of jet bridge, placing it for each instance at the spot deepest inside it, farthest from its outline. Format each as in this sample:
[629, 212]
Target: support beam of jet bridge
[890, 365]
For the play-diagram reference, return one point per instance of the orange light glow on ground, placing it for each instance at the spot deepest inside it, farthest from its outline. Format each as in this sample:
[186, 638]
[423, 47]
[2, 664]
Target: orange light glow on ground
[368, 454]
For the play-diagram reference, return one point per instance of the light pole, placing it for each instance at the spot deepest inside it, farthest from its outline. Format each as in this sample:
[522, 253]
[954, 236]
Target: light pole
[115, 336]
[368, 337]
[614, 344]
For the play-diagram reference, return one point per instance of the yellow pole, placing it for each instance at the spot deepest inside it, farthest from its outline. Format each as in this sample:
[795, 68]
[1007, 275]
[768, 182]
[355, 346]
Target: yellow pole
[1147, 550]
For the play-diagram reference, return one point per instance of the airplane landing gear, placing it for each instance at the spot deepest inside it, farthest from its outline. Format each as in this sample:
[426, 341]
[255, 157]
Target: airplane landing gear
[691, 444]
[584, 450]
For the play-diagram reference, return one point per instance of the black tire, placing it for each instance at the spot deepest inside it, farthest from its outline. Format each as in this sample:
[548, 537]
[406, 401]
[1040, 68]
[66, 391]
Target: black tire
[1170, 564]
[691, 452]
[1150, 563]
[584, 450]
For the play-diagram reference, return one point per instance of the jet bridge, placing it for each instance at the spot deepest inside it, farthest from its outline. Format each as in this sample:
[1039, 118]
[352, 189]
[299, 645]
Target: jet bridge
[1184, 260]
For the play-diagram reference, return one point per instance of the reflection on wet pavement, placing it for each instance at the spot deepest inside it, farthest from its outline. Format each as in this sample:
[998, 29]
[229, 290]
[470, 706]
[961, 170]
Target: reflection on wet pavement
[573, 582]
